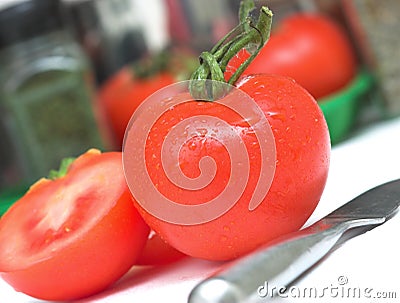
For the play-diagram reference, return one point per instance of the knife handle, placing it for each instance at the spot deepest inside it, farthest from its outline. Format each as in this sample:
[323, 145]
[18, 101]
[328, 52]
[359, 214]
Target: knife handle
[252, 278]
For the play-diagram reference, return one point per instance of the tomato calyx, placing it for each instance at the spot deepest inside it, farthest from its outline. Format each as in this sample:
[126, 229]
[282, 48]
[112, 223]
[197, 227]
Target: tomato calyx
[251, 34]
[149, 66]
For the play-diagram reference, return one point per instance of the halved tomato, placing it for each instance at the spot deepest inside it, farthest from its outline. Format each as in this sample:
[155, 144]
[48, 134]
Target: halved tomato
[71, 237]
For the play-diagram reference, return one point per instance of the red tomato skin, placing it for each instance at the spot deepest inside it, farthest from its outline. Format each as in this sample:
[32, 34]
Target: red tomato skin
[93, 262]
[303, 152]
[158, 252]
[310, 48]
[121, 95]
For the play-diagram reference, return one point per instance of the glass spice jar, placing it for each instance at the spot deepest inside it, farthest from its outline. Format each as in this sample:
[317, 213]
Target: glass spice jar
[46, 93]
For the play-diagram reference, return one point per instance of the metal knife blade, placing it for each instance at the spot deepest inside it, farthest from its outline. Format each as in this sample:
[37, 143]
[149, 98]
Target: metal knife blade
[379, 202]
[288, 257]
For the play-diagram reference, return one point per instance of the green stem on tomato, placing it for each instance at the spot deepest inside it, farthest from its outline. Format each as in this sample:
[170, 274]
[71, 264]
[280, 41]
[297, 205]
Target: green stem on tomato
[208, 79]
[245, 9]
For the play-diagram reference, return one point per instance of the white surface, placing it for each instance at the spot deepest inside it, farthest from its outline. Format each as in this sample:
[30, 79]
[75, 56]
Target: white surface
[370, 263]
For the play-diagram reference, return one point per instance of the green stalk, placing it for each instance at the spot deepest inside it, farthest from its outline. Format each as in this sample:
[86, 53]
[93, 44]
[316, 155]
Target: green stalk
[207, 82]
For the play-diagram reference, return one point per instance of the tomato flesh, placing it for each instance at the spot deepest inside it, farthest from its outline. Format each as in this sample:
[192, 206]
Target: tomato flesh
[74, 236]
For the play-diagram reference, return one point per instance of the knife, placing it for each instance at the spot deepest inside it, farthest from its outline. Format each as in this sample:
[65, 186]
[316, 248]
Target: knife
[281, 262]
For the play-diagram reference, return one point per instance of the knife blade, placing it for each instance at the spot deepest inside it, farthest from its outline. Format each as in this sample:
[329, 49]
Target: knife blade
[284, 260]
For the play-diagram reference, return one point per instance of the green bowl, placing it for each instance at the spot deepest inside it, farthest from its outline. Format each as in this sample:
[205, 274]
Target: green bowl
[340, 109]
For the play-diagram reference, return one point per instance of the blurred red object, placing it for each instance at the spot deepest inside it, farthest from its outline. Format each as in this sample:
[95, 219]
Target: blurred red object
[310, 48]
[123, 93]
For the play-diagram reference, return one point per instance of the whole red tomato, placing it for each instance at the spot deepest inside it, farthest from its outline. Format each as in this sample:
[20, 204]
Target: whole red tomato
[300, 135]
[71, 237]
[310, 48]
[122, 93]
[158, 252]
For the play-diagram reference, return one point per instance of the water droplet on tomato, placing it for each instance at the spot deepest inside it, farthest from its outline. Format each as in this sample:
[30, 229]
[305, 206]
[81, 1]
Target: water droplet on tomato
[281, 194]
[278, 116]
[192, 145]
[168, 101]
[224, 238]
[202, 131]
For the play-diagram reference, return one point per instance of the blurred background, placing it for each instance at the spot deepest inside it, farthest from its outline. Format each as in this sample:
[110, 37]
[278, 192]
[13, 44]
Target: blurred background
[73, 71]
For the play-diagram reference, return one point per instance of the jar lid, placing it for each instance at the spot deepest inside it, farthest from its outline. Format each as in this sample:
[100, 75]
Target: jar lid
[27, 19]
